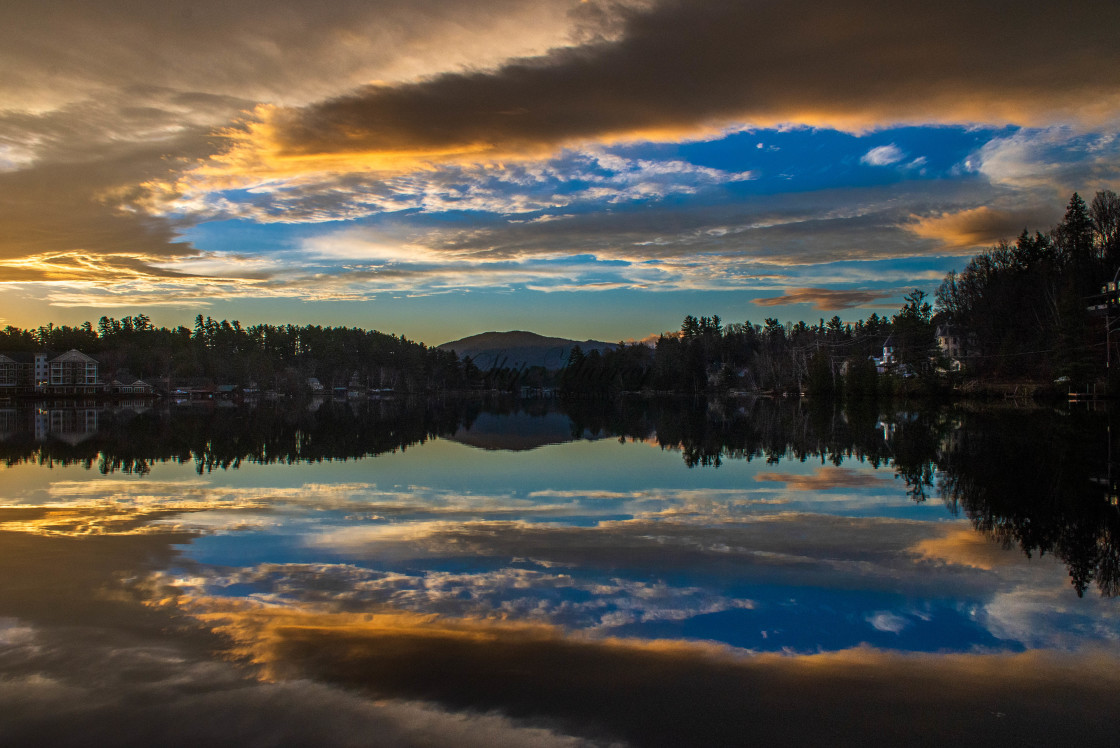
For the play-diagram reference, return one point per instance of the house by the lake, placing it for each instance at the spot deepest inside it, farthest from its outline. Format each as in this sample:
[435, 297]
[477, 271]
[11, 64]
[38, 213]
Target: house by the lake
[71, 373]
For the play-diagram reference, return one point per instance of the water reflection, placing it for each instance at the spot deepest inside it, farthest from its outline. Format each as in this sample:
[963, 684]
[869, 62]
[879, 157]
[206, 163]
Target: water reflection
[648, 572]
[1037, 479]
[1042, 481]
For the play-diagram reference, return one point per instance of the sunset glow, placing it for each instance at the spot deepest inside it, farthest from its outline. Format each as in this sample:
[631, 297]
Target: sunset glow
[588, 169]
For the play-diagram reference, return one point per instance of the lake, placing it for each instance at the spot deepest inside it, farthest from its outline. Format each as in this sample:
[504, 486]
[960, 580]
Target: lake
[635, 572]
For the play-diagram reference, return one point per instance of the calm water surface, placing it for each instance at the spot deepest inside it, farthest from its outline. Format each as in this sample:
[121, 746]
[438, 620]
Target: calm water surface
[638, 573]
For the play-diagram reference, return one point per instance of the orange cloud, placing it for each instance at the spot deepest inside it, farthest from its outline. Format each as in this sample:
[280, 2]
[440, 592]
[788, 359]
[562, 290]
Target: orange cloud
[823, 479]
[824, 299]
[967, 230]
[964, 547]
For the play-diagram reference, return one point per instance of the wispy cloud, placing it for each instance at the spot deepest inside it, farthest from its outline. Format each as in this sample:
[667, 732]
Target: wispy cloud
[826, 299]
[569, 181]
[883, 155]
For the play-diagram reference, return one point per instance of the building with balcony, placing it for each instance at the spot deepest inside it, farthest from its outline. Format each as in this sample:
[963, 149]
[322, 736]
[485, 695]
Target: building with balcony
[22, 372]
[43, 373]
[72, 373]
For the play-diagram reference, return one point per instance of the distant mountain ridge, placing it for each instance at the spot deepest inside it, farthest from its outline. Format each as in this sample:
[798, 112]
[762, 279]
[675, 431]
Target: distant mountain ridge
[519, 431]
[520, 349]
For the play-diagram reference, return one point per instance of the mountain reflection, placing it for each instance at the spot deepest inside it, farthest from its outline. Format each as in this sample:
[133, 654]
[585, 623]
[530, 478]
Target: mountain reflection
[1037, 479]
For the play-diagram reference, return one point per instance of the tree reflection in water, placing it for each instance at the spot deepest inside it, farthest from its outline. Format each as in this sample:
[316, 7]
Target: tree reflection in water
[1039, 479]
[1042, 480]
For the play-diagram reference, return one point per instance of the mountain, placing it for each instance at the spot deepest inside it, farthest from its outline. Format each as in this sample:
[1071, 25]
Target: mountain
[517, 349]
[519, 431]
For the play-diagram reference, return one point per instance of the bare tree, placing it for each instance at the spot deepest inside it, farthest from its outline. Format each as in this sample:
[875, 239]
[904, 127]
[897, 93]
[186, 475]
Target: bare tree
[1105, 212]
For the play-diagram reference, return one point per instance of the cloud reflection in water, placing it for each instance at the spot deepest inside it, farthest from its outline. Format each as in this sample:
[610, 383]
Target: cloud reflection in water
[546, 608]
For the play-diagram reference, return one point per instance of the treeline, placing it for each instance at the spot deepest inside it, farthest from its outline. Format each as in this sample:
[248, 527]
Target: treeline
[1023, 307]
[1018, 312]
[707, 355]
[280, 357]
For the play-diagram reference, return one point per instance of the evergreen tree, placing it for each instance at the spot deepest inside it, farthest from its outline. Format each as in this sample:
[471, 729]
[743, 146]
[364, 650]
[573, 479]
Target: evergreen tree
[1074, 237]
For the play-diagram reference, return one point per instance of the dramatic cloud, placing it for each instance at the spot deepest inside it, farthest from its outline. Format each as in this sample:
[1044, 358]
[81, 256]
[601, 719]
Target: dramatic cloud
[272, 152]
[797, 548]
[105, 645]
[104, 108]
[74, 211]
[758, 245]
[693, 68]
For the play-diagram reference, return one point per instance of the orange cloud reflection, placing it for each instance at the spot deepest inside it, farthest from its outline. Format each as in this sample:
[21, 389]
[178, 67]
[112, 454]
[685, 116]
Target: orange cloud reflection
[679, 692]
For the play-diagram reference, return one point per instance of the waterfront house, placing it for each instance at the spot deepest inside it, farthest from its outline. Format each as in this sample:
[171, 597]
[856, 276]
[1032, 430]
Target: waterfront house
[887, 361]
[73, 373]
[131, 387]
[10, 371]
[955, 344]
[22, 372]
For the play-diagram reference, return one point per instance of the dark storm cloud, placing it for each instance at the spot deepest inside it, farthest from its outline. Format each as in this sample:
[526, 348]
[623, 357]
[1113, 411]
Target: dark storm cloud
[62, 209]
[686, 65]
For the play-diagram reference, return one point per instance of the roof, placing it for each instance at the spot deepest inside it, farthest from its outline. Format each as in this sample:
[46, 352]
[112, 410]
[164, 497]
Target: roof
[74, 356]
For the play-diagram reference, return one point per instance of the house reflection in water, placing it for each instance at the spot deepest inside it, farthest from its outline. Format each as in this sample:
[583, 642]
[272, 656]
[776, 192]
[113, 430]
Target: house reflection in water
[71, 425]
[9, 423]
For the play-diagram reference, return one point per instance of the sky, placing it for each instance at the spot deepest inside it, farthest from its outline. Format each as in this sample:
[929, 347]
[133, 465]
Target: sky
[593, 169]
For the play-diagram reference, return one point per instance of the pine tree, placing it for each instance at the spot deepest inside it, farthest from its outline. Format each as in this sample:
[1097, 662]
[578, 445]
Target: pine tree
[1074, 234]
